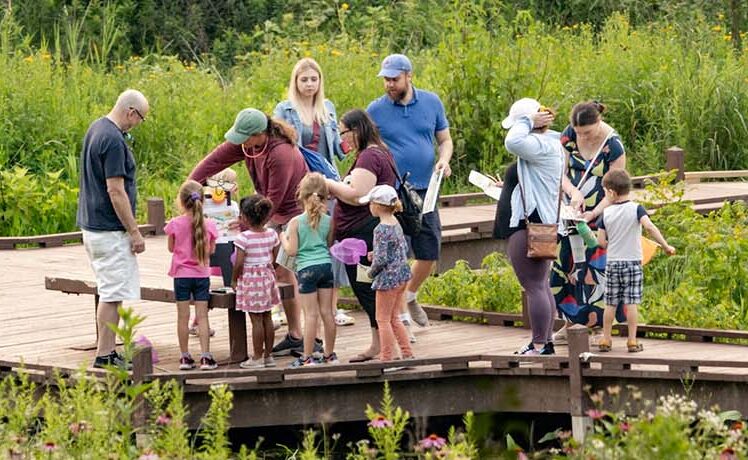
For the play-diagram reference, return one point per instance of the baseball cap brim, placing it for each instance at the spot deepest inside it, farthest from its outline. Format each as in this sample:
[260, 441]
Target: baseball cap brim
[234, 137]
[508, 122]
[389, 73]
[365, 199]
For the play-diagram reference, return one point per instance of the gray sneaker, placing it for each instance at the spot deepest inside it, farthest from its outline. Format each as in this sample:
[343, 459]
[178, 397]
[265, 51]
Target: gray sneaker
[418, 314]
[287, 346]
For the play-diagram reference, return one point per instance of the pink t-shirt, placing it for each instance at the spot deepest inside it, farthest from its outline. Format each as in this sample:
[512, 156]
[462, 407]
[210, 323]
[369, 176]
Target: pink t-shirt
[184, 264]
[257, 247]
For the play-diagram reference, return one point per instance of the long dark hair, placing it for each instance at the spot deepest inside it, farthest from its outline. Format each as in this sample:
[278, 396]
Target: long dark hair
[366, 131]
[279, 128]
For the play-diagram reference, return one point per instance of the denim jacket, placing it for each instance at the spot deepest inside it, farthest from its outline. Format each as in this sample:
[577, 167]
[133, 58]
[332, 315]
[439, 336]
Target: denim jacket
[540, 160]
[285, 111]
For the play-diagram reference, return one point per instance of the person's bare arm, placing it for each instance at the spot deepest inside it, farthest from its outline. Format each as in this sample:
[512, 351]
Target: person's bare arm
[290, 238]
[115, 187]
[361, 181]
[446, 148]
[652, 230]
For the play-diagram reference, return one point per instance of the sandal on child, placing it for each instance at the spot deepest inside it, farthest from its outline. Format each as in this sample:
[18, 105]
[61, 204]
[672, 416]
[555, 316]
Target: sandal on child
[634, 347]
[604, 345]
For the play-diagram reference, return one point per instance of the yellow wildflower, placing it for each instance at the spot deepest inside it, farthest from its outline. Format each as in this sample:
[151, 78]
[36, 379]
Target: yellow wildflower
[29, 58]
[720, 16]
[728, 37]
[336, 53]
[344, 7]
[717, 28]
[46, 56]
[307, 53]
[119, 67]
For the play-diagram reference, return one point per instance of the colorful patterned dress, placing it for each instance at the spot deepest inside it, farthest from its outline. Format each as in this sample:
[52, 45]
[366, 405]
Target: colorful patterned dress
[582, 301]
[256, 290]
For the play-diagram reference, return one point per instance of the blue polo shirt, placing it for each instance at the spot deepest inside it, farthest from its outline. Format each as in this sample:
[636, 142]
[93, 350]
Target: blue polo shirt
[409, 132]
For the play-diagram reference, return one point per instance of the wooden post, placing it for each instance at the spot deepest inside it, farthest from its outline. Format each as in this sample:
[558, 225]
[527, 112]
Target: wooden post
[525, 311]
[579, 343]
[675, 158]
[156, 215]
[142, 366]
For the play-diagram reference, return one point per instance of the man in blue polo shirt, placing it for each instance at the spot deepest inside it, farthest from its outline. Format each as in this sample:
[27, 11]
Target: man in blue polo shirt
[410, 121]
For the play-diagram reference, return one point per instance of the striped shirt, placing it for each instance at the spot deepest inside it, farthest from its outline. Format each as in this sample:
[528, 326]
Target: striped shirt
[257, 247]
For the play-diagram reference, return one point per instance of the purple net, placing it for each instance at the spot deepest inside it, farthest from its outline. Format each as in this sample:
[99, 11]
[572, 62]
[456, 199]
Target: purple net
[349, 250]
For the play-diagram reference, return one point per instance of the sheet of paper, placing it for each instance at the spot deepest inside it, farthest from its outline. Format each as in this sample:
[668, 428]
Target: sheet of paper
[567, 213]
[222, 215]
[429, 201]
[485, 183]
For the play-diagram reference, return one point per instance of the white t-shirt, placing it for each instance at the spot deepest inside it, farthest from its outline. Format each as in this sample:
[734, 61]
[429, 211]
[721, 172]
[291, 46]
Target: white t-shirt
[622, 224]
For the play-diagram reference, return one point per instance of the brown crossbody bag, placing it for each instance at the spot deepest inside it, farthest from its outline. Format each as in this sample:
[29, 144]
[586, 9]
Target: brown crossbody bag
[542, 239]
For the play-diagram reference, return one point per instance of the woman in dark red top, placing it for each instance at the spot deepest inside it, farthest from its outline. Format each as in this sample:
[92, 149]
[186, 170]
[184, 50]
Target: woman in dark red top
[373, 165]
[268, 148]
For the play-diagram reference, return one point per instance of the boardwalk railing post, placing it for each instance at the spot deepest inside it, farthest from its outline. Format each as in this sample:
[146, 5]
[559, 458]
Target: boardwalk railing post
[156, 215]
[525, 311]
[142, 365]
[675, 158]
[578, 343]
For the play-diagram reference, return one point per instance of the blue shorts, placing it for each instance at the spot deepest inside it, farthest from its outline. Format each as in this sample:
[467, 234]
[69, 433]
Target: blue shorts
[196, 288]
[315, 277]
[427, 244]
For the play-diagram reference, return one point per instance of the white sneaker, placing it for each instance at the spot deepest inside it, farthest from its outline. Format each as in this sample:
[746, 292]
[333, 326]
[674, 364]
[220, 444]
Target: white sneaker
[411, 337]
[269, 362]
[342, 319]
[253, 364]
[560, 337]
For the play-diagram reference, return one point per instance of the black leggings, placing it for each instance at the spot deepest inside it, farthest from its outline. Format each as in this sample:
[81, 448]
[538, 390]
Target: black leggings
[364, 293]
[533, 276]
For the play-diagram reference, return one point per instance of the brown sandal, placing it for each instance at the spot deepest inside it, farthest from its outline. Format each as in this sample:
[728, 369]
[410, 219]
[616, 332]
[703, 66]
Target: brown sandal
[634, 347]
[604, 345]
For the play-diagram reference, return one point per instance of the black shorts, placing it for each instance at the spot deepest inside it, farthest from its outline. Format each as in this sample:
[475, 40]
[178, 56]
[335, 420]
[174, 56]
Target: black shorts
[315, 277]
[195, 288]
[427, 244]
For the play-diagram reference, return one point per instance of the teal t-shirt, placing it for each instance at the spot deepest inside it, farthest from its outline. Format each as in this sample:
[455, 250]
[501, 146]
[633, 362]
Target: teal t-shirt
[313, 248]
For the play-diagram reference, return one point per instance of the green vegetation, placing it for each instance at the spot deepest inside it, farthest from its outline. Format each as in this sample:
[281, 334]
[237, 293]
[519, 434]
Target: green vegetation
[674, 80]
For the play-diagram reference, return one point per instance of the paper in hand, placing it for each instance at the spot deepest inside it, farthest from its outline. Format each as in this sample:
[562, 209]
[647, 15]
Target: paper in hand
[568, 213]
[429, 201]
[485, 183]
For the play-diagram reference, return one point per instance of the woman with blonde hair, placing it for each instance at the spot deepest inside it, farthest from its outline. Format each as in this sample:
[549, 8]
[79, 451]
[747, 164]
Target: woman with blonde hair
[315, 121]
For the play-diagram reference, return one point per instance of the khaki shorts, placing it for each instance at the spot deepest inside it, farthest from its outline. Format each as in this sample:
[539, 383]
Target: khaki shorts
[113, 264]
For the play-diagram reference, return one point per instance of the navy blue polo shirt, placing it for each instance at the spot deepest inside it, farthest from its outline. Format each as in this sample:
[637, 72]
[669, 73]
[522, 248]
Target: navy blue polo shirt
[105, 154]
[410, 132]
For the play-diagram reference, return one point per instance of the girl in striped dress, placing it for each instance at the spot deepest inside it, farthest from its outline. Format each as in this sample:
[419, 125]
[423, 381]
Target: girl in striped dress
[254, 277]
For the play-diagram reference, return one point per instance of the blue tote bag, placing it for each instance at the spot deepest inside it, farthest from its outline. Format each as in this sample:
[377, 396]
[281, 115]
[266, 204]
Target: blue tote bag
[317, 163]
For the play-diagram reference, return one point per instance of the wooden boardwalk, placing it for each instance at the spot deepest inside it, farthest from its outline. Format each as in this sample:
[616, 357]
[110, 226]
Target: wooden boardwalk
[462, 366]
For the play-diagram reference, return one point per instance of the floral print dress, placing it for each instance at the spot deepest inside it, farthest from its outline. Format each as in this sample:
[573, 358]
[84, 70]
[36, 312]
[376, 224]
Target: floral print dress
[579, 287]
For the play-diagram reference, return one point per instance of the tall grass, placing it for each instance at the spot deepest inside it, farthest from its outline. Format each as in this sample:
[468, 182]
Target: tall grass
[665, 84]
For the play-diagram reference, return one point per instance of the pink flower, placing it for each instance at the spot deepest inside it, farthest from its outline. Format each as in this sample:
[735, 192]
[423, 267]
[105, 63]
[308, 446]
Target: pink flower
[148, 455]
[163, 419]
[77, 427]
[595, 414]
[380, 422]
[522, 456]
[433, 442]
[624, 427]
[728, 454]
[49, 447]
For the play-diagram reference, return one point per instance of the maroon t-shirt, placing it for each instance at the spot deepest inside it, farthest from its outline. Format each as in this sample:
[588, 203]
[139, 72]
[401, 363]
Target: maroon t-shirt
[349, 217]
[276, 174]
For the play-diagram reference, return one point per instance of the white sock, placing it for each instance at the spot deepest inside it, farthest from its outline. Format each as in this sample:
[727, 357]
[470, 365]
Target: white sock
[410, 296]
[405, 317]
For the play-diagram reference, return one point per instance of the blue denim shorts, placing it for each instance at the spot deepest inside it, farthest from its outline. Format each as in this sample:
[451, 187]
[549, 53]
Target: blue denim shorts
[196, 288]
[315, 277]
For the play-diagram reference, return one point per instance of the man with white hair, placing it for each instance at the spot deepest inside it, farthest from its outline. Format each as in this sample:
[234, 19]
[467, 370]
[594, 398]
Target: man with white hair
[106, 215]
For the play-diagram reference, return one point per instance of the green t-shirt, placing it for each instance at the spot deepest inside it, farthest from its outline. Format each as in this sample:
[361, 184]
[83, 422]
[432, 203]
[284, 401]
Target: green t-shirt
[313, 248]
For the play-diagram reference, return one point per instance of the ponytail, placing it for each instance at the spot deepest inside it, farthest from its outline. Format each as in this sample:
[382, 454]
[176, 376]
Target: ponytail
[198, 233]
[315, 207]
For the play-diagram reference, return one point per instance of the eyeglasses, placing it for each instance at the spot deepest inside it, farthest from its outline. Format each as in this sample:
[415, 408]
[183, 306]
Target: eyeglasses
[142, 118]
[346, 131]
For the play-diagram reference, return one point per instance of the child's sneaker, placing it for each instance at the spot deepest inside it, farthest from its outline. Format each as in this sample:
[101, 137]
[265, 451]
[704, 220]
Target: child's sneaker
[301, 362]
[528, 349]
[186, 363]
[207, 363]
[332, 358]
[252, 363]
[269, 362]
[548, 349]
[343, 319]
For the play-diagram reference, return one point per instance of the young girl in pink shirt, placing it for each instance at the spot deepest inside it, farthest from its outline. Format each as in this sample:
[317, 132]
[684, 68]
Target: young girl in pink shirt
[192, 239]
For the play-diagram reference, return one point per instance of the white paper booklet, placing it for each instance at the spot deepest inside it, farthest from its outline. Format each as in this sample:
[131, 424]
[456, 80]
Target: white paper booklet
[429, 201]
[222, 214]
[485, 183]
[567, 213]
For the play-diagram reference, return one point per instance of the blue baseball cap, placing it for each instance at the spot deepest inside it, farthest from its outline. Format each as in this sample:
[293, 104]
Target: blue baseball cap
[395, 64]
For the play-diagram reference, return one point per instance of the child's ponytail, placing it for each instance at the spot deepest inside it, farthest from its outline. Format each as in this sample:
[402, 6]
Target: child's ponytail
[191, 200]
[312, 195]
